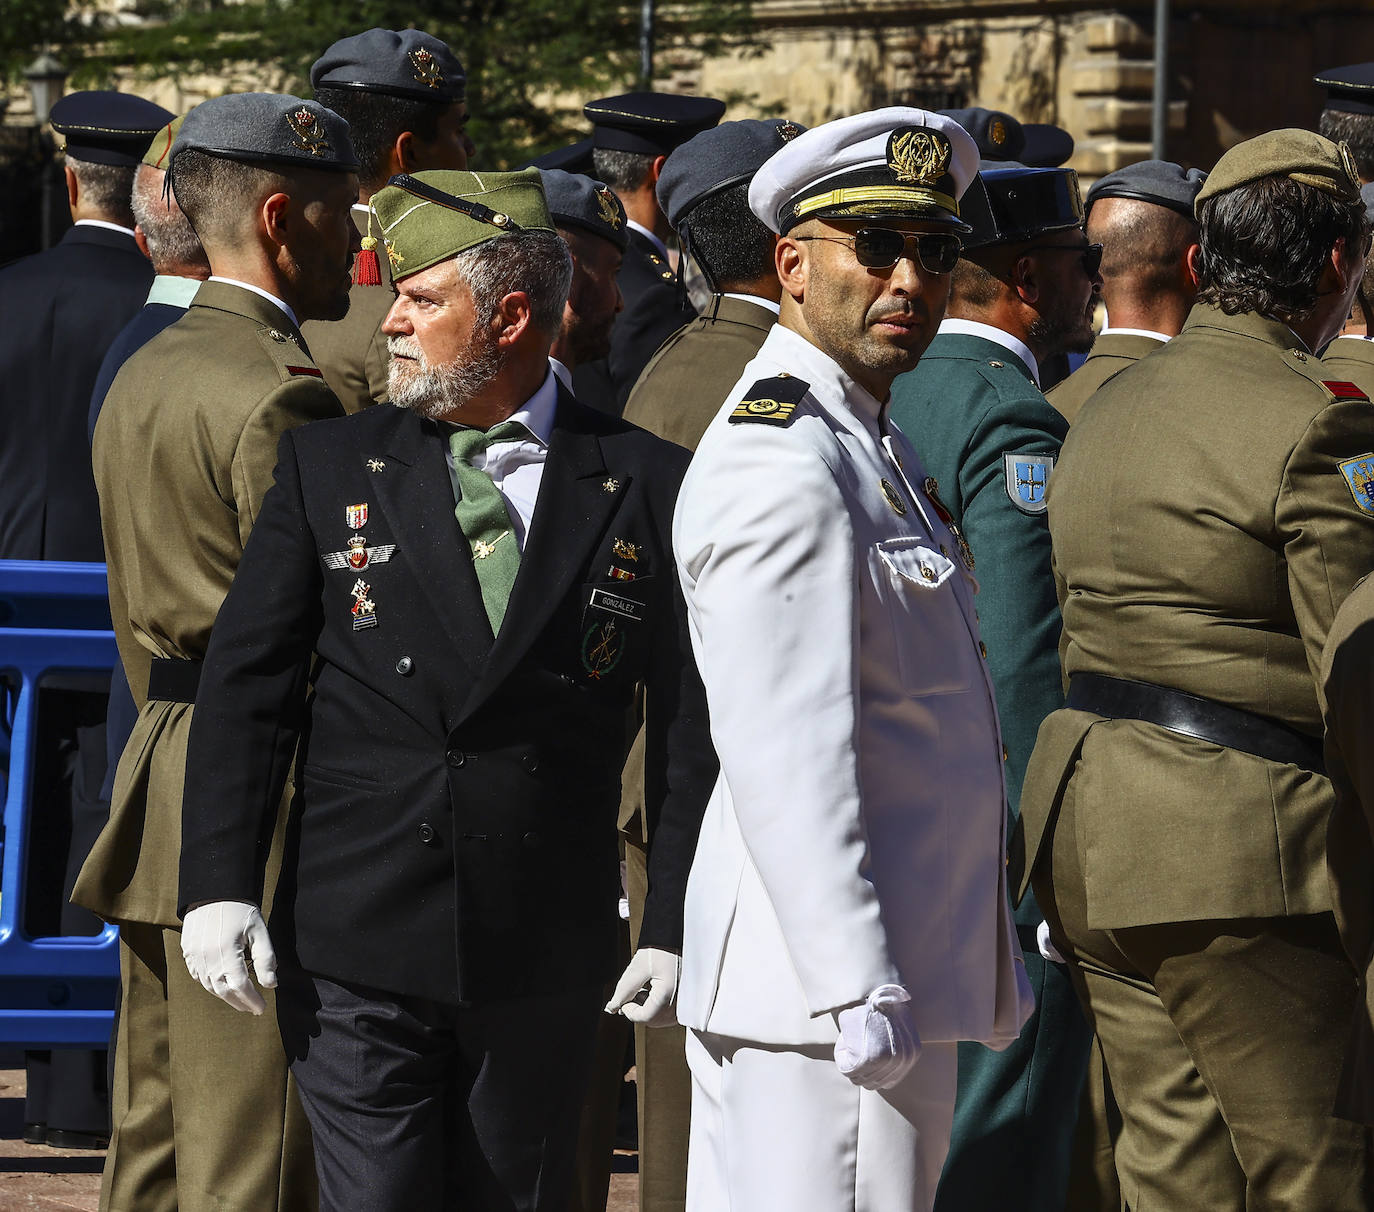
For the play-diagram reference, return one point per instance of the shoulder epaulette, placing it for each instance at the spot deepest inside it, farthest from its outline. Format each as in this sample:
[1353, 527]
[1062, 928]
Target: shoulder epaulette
[292, 361]
[771, 401]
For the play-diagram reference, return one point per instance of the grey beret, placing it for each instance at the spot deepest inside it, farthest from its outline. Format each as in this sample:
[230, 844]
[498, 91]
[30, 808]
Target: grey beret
[398, 62]
[1157, 181]
[718, 158]
[270, 129]
[578, 201]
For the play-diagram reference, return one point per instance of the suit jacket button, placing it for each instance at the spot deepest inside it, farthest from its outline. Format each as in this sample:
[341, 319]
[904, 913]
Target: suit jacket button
[532, 840]
[530, 763]
[426, 832]
[404, 666]
[456, 757]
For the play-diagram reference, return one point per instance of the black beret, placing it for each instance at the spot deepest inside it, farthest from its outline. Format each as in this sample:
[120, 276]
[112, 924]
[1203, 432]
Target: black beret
[108, 127]
[578, 201]
[1157, 181]
[574, 159]
[718, 158]
[650, 123]
[1047, 145]
[398, 62]
[1348, 89]
[999, 136]
[270, 129]
[1011, 203]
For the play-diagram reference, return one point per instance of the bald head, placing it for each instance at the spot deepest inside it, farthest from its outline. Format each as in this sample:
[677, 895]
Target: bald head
[1146, 279]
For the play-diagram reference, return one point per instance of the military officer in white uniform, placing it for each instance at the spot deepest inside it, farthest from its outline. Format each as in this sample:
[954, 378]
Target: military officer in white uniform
[846, 919]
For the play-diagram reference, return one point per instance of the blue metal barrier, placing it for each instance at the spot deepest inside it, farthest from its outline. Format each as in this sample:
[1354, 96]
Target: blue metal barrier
[54, 992]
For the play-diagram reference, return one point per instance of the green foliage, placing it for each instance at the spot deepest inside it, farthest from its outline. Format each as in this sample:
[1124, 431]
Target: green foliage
[519, 57]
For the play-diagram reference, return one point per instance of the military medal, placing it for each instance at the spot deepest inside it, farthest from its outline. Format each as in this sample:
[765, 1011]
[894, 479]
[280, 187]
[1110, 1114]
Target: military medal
[364, 609]
[626, 550]
[356, 516]
[359, 555]
[481, 550]
[898, 505]
[619, 574]
[932, 489]
[602, 648]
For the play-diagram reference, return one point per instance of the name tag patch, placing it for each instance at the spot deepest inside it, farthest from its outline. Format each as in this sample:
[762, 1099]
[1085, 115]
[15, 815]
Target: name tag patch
[627, 608]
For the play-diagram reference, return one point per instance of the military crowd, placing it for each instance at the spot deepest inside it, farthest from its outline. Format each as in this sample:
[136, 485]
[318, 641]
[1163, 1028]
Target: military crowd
[971, 731]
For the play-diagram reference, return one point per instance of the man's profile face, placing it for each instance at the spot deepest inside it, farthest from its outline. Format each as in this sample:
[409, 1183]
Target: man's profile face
[323, 242]
[441, 354]
[451, 148]
[876, 323]
[593, 298]
[1068, 296]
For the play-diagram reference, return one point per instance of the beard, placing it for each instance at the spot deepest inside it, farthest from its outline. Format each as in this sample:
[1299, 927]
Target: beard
[439, 391]
[1058, 332]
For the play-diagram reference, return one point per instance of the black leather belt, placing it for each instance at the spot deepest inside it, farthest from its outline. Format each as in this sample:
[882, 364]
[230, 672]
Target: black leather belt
[1196, 717]
[173, 681]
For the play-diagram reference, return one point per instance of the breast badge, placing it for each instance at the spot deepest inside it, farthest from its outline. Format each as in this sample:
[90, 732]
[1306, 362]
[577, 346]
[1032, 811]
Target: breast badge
[625, 549]
[356, 516]
[375, 464]
[364, 609]
[1027, 477]
[932, 491]
[602, 647]
[359, 555]
[1359, 477]
[898, 505]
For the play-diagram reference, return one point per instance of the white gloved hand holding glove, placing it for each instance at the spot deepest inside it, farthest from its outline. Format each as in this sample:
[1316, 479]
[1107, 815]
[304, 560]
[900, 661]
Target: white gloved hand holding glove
[214, 940]
[659, 971]
[878, 1041]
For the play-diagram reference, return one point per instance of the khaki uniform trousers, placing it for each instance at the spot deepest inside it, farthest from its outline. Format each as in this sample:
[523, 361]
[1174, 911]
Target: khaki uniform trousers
[1223, 1041]
[196, 1086]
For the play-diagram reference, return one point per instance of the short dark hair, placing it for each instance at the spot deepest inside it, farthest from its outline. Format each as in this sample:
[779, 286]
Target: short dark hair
[731, 246]
[106, 188]
[973, 284]
[1143, 245]
[215, 193]
[623, 171]
[1354, 129]
[376, 121]
[1264, 245]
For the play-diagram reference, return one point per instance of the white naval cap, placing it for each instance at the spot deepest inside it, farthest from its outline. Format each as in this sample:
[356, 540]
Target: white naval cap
[893, 163]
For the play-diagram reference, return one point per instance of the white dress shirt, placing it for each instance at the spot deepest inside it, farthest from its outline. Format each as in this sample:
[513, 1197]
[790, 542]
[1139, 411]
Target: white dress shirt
[648, 235]
[119, 227]
[258, 290]
[516, 466]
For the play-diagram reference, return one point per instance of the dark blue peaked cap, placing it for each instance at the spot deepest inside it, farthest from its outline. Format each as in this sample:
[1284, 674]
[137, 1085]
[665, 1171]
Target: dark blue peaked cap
[1348, 89]
[651, 124]
[106, 127]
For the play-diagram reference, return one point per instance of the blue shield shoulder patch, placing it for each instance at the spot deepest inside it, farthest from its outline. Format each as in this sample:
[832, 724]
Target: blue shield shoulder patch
[1027, 476]
[1359, 476]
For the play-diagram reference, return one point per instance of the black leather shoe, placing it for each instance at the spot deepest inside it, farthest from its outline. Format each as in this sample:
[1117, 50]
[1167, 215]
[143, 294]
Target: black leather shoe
[62, 1138]
[36, 1134]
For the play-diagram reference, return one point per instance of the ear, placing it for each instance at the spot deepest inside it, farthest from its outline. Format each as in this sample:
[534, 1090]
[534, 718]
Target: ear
[1025, 279]
[513, 318]
[73, 190]
[1335, 273]
[142, 241]
[655, 169]
[274, 217]
[401, 157]
[790, 259]
[1191, 261]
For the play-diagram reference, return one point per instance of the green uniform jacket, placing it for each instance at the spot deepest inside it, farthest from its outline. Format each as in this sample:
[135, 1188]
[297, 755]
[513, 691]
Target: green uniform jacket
[1351, 358]
[1348, 711]
[1112, 353]
[968, 405]
[352, 351]
[183, 452]
[1204, 535]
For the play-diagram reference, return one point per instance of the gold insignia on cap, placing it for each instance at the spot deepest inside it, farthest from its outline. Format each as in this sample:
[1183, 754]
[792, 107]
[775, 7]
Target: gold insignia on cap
[997, 132]
[919, 155]
[1348, 162]
[309, 131]
[609, 211]
[393, 256]
[787, 131]
[426, 68]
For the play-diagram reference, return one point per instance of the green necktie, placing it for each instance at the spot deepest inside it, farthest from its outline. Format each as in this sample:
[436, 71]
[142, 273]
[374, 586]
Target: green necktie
[482, 514]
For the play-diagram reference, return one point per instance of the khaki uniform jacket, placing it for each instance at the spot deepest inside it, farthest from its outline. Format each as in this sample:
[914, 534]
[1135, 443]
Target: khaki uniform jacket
[352, 351]
[1112, 352]
[1205, 534]
[183, 452]
[1351, 358]
[1348, 711]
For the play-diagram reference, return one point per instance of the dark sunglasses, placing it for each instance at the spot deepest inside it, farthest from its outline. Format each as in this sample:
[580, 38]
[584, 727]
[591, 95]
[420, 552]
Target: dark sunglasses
[881, 247]
[1091, 254]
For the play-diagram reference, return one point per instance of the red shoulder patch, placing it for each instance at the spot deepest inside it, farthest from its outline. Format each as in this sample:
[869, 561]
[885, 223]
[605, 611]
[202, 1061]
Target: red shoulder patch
[1344, 390]
[313, 371]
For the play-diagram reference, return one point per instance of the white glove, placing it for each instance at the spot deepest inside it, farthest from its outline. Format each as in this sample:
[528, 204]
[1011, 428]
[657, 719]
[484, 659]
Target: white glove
[657, 969]
[214, 938]
[878, 1042]
[1047, 949]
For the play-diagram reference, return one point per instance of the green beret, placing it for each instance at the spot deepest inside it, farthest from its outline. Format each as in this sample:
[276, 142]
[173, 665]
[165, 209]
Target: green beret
[1299, 155]
[428, 217]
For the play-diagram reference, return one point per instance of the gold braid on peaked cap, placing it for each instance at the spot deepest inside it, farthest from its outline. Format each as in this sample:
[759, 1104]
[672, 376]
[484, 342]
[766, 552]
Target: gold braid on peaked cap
[893, 163]
[428, 217]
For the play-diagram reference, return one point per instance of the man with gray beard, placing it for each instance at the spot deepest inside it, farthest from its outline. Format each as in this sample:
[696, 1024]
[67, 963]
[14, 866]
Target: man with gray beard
[476, 582]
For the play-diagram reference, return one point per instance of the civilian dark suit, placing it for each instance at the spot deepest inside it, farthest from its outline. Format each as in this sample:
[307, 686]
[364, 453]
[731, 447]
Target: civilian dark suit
[656, 306]
[59, 312]
[453, 838]
[147, 322]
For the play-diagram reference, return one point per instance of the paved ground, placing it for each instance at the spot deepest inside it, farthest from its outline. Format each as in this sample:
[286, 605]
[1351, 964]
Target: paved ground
[34, 1178]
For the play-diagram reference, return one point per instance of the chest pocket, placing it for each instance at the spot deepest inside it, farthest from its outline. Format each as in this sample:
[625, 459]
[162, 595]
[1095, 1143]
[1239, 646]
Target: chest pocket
[934, 649]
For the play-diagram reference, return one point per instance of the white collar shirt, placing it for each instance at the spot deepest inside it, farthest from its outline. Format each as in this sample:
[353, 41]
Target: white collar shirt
[258, 290]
